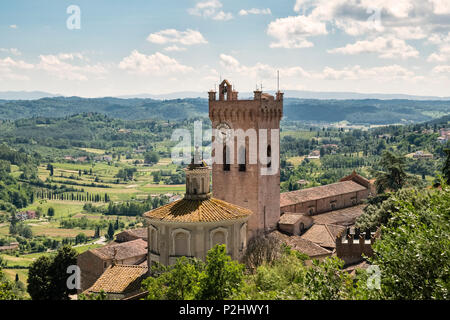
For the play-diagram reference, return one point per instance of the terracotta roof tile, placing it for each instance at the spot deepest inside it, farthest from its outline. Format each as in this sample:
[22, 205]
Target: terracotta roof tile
[122, 251]
[343, 217]
[119, 279]
[207, 210]
[321, 192]
[140, 233]
[323, 235]
[290, 218]
[304, 246]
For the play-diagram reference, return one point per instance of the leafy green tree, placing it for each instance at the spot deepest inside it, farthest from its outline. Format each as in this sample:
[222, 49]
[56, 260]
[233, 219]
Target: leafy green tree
[92, 296]
[413, 252]
[51, 212]
[151, 157]
[6, 288]
[222, 276]
[178, 282]
[47, 277]
[327, 281]
[394, 176]
[110, 232]
[446, 168]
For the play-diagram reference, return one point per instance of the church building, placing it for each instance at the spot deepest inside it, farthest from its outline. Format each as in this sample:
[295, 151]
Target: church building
[193, 225]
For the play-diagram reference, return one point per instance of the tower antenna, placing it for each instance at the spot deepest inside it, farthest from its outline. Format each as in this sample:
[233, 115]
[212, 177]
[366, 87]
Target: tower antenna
[278, 80]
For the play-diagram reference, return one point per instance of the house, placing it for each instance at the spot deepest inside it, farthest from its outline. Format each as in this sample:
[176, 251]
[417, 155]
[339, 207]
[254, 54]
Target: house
[119, 281]
[132, 234]
[422, 155]
[323, 198]
[94, 262]
[25, 215]
[314, 154]
[294, 223]
[304, 246]
[323, 235]
[9, 248]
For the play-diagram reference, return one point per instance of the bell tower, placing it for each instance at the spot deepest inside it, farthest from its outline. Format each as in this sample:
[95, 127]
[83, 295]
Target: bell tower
[246, 171]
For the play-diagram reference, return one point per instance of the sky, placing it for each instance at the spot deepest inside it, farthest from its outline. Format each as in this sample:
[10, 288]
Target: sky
[114, 47]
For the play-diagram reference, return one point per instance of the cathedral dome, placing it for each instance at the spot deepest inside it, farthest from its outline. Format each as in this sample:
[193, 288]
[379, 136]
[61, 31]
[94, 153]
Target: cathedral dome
[206, 210]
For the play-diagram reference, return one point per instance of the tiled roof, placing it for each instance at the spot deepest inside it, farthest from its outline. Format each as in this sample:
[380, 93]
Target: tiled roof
[122, 251]
[140, 233]
[290, 218]
[304, 246]
[323, 235]
[357, 178]
[321, 192]
[343, 217]
[119, 279]
[207, 210]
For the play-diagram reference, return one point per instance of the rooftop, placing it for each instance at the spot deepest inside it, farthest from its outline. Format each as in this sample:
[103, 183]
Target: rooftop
[343, 217]
[119, 279]
[302, 245]
[139, 233]
[207, 210]
[122, 251]
[290, 218]
[321, 192]
[323, 235]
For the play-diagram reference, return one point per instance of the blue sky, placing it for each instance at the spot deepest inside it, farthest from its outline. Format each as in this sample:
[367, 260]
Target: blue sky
[137, 46]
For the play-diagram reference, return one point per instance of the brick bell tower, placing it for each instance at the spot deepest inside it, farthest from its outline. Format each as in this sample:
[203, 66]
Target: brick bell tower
[236, 178]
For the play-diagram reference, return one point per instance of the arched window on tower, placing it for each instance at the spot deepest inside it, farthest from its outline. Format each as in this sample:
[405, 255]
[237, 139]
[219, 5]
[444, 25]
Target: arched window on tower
[242, 159]
[269, 156]
[226, 158]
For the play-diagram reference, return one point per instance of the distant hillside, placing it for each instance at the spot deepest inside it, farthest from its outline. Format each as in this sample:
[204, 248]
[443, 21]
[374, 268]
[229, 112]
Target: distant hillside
[132, 109]
[368, 111]
[25, 95]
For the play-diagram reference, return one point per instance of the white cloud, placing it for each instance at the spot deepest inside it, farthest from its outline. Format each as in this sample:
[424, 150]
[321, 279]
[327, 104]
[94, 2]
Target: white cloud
[11, 63]
[13, 51]
[223, 16]
[11, 69]
[210, 9]
[57, 67]
[359, 73]
[403, 19]
[188, 37]
[174, 48]
[255, 11]
[441, 6]
[442, 55]
[13, 26]
[442, 69]
[259, 70]
[387, 48]
[292, 32]
[70, 56]
[156, 64]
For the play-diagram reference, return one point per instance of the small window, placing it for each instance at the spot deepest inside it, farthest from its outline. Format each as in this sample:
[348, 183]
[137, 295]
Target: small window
[269, 156]
[226, 159]
[333, 205]
[242, 159]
